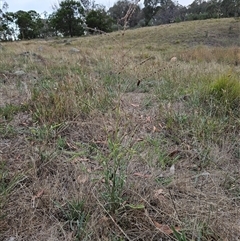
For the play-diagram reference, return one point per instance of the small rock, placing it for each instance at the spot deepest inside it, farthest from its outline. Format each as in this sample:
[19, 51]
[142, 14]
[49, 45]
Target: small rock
[172, 169]
[74, 50]
[19, 72]
[173, 59]
[11, 239]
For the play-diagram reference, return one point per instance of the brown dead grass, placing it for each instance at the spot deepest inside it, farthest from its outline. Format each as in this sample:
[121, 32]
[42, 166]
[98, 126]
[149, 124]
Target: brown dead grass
[230, 55]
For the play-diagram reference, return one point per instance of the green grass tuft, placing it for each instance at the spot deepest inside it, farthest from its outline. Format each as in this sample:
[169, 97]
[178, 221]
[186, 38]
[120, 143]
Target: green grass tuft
[225, 94]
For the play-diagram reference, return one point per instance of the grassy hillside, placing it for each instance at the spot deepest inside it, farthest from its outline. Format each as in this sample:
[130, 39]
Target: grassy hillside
[105, 138]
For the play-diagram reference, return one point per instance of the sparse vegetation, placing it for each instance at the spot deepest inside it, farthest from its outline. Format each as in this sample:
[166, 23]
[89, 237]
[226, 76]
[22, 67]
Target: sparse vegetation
[116, 142]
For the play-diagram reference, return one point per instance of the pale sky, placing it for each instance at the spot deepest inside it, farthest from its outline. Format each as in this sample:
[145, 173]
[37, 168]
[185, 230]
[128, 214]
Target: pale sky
[46, 5]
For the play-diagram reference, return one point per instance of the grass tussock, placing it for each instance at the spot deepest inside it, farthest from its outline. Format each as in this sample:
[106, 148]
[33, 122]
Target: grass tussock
[67, 99]
[115, 142]
[226, 89]
[223, 96]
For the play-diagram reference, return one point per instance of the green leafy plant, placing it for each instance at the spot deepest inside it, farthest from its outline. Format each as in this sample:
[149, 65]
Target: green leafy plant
[47, 132]
[114, 185]
[7, 185]
[8, 111]
[114, 175]
[61, 143]
[76, 217]
[7, 130]
[180, 236]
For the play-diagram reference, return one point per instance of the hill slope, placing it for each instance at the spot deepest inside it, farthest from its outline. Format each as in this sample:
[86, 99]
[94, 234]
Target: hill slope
[104, 138]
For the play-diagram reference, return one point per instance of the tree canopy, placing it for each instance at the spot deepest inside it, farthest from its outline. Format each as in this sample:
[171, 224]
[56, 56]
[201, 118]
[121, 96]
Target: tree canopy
[99, 19]
[29, 24]
[68, 19]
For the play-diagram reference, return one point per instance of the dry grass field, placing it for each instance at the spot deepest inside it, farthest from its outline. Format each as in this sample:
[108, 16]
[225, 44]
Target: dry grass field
[104, 138]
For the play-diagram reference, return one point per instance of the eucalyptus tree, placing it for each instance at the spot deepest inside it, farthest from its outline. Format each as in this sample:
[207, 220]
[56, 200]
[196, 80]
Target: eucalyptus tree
[68, 18]
[99, 19]
[29, 24]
